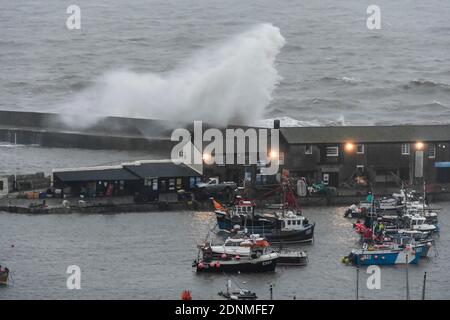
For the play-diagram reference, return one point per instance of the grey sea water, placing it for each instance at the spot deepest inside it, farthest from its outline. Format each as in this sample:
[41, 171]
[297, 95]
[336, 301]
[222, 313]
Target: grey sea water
[149, 256]
[333, 69]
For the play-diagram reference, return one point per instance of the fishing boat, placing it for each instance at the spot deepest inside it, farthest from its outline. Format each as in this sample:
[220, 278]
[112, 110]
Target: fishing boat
[4, 276]
[241, 246]
[257, 261]
[384, 256]
[358, 210]
[417, 222]
[390, 204]
[289, 228]
[285, 227]
[242, 294]
[292, 258]
[241, 212]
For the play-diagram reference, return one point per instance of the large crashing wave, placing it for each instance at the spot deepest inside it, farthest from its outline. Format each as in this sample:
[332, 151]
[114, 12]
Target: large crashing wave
[227, 83]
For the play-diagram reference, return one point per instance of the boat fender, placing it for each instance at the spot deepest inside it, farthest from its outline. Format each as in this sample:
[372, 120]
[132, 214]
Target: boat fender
[200, 265]
[217, 264]
[212, 264]
[238, 257]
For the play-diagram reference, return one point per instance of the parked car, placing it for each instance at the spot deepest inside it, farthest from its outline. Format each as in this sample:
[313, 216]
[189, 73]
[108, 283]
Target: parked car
[213, 186]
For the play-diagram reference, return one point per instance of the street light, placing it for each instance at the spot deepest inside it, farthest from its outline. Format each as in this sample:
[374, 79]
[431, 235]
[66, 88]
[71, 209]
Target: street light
[419, 145]
[349, 146]
[273, 155]
[206, 157]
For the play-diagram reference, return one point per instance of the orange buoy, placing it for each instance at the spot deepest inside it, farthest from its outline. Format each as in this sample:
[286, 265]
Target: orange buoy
[186, 295]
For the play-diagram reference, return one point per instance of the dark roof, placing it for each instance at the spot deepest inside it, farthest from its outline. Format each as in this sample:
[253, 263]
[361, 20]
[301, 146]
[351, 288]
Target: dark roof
[95, 175]
[366, 134]
[162, 169]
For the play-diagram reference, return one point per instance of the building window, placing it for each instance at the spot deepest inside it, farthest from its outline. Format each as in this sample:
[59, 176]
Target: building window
[360, 149]
[308, 149]
[171, 184]
[431, 151]
[332, 151]
[406, 147]
[179, 183]
[1, 185]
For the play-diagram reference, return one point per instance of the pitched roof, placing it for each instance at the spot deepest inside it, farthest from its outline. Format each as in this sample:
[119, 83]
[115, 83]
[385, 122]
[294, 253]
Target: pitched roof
[366, 134]
[161, 169]
[127, 171]
[95, 174]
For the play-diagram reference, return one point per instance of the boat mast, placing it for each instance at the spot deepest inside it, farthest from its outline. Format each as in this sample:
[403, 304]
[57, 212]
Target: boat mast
[424, 197]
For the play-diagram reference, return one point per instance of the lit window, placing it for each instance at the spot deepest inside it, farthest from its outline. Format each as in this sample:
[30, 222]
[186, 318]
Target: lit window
[360, 149]
[406, 149]
[332, 151]
[308, 149]
[431, 151]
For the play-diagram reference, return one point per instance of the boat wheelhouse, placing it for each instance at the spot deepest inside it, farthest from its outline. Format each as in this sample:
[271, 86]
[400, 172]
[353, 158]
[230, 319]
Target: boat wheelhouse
[417, 222]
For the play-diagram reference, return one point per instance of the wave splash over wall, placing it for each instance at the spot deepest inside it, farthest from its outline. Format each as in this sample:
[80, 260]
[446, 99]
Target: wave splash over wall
[231, 82]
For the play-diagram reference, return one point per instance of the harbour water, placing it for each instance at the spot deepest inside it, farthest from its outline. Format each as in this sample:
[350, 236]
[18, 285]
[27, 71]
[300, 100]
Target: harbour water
[23, 159]
[149, 256]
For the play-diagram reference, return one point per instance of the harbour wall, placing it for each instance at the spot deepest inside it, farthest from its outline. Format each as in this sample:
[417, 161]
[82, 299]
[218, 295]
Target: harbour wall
[112, 206]
[49, 130]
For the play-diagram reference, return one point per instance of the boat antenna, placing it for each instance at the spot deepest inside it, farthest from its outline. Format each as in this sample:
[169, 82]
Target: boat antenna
[424, 197]
[231, 278]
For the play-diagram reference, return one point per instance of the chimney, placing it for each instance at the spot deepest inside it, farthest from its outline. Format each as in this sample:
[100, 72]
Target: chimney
[276, 124]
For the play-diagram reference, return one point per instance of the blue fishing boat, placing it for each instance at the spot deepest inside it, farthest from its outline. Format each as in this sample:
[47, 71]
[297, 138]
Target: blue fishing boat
[366, 257]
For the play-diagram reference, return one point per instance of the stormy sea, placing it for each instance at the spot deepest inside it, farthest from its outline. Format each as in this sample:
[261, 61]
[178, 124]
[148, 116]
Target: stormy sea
[305, 62]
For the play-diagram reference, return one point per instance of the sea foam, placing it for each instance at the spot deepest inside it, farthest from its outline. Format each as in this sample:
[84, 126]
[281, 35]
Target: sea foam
[230, 82]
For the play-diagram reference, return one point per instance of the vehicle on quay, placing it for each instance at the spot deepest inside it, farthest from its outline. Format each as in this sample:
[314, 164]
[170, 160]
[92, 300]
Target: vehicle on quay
[214, 187]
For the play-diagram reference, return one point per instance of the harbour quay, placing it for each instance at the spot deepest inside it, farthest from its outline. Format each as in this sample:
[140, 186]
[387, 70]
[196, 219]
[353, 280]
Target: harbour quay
[331, 165]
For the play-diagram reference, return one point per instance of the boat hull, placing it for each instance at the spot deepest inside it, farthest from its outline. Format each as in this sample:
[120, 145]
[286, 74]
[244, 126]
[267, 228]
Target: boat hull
[367, 258]
[218, 266]
[4, 275]
[286, 237]
[287, 260]
[224, 222]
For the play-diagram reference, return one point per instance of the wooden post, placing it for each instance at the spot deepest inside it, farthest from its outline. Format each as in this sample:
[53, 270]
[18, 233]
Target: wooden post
[357, 283]
[407, 279]
[424, 285]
